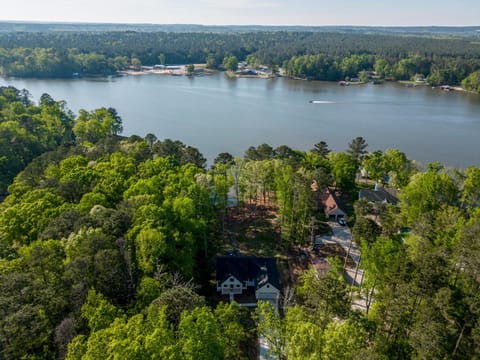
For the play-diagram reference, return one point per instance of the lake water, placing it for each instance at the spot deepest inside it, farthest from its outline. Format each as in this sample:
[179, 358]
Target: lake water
[218, 114]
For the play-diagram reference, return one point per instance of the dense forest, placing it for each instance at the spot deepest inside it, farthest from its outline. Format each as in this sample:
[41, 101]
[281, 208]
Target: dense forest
[108, 245]
[320, 55]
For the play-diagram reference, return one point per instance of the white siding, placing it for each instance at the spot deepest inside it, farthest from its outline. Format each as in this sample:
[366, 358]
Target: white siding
[231, 286]
[267, 292]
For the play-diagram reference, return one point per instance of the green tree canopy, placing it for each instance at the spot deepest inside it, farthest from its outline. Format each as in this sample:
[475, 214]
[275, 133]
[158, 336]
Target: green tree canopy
[357, 147]
[344, 170]
[230, 63]
[95, 125]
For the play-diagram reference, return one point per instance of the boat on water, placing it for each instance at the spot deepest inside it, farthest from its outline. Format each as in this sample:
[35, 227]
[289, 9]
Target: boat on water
[320, 102]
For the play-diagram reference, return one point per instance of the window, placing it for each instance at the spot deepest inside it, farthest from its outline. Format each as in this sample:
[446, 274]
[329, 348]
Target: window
[268, 286]
[231, 279]
[231, 286]
[238, 285]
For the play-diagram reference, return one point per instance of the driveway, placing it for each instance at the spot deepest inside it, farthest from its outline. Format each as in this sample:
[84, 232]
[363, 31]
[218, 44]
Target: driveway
[264, 349]
[342, 236]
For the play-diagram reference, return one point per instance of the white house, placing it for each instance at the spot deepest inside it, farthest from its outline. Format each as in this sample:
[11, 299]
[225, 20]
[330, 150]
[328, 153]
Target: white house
[244, 277]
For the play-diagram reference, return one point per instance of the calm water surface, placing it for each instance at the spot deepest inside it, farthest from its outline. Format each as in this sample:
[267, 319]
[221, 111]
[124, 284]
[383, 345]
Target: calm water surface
[218, 114]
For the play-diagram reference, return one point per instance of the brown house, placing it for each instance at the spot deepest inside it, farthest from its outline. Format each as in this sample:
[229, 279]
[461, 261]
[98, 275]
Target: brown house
[330, 204]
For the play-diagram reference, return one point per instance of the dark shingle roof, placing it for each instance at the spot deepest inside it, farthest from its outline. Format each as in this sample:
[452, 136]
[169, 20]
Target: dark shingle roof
[379, 195]
[244, 268]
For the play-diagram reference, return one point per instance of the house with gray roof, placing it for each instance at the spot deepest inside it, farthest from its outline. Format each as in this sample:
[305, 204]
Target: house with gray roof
[246, 278]
[379, 195]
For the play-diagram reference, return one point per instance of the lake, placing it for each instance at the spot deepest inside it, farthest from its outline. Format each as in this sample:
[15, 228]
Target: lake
[218, 114]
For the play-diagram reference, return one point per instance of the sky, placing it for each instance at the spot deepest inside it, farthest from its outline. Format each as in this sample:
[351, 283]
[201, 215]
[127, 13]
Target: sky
[248, 12]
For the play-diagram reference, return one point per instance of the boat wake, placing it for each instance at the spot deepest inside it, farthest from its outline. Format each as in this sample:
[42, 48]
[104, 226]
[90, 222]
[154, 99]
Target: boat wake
[321, 102]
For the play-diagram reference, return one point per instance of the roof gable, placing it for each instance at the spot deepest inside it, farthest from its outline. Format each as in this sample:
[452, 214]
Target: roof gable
[329, 201]
[267, 285]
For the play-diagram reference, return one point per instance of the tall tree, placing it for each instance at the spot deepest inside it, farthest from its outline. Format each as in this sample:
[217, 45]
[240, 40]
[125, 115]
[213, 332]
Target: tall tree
[374, 164]
[327, 296]
[343, 340]
[201, 336]
[224, 158]
[357, 147]
[426, 194]
[230, 63]
[471, 187]
[398, 167]
[344, 170]
[321, 148]
[96, 125]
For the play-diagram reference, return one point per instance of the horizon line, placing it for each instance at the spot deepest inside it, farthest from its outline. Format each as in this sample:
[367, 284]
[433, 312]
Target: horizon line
[222, 25]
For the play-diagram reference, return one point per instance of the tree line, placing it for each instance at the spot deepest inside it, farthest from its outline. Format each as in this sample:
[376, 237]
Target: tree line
[444, 71]
[315, 55]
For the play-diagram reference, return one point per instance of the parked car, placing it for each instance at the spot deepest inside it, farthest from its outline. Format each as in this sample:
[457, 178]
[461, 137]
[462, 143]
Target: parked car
[342, 222]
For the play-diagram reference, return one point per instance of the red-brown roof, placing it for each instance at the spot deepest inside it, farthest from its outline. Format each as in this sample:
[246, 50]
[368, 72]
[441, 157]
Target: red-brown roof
[328, 201]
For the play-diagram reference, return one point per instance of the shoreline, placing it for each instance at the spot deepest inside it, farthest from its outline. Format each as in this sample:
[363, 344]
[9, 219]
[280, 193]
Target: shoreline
[201, 70]
[174, 70]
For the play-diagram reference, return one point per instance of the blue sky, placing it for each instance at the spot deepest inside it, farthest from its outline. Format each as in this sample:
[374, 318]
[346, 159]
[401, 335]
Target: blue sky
[245, 12]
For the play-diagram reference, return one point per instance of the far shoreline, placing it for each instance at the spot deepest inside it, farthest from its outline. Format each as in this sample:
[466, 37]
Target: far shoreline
[202, 70]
